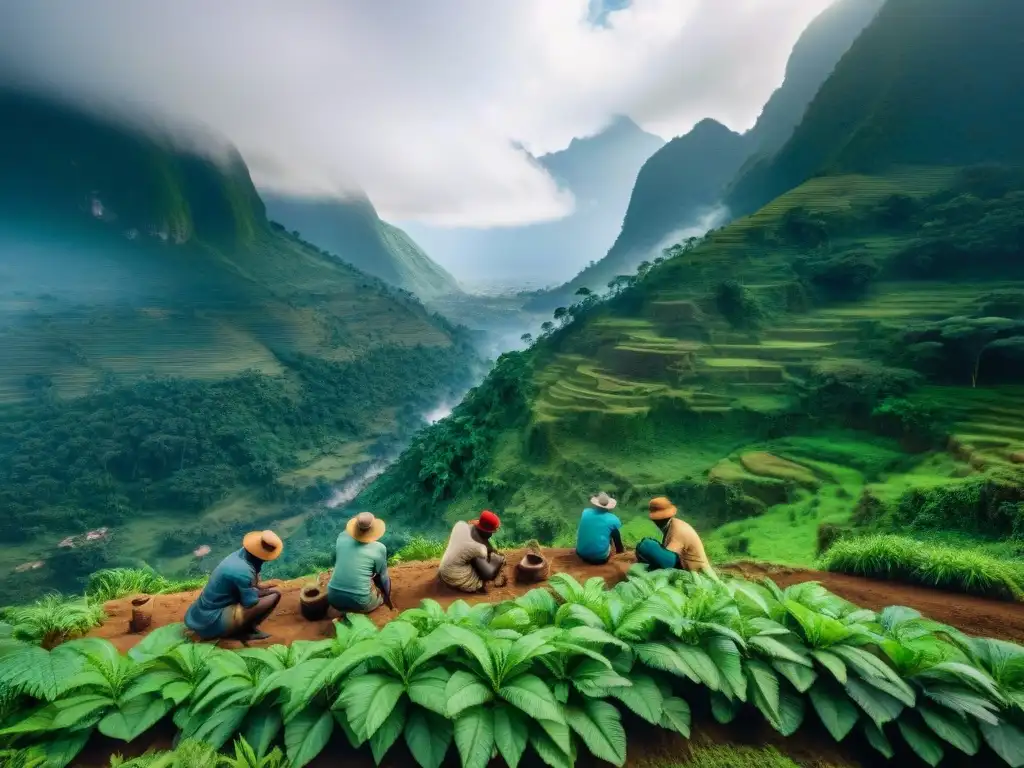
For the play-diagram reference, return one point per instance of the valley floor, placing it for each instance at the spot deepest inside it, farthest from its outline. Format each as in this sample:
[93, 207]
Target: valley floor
[413, 582]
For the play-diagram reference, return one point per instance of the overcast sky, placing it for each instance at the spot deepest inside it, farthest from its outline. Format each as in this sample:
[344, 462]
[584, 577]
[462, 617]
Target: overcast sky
[417, 101]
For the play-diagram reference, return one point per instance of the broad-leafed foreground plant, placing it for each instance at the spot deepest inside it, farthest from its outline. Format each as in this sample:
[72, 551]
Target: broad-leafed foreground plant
[540, 678]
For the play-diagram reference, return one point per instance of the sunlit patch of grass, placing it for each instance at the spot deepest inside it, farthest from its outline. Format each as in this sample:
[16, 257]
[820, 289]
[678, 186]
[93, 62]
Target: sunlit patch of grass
[727, 756]
[900, 558]
[52, 619]
[115, 583]
[419, 549]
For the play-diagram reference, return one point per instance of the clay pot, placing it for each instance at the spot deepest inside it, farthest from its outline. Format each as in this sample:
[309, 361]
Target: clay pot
[533, 568]
[313, 602]
[142, 613]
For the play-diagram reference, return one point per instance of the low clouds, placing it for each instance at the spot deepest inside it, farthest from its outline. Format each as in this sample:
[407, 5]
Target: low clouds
[420, 103]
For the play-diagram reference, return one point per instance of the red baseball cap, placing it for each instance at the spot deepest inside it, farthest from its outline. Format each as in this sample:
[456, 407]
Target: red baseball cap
[488, 522]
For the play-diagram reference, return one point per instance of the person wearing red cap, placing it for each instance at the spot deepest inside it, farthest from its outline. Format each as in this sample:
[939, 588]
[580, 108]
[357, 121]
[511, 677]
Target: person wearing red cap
[469, 561]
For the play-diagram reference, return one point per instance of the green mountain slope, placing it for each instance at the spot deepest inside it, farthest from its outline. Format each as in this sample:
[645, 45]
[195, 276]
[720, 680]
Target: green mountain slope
[927, 82]
[171, 366]
[352, 231]
[847, 358]
[681, 183]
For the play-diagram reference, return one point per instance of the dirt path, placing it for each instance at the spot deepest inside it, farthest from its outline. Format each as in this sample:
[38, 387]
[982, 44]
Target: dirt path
[412, 582]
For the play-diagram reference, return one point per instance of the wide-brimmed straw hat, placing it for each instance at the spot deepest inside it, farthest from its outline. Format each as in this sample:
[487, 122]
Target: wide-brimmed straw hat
[603, 501]
[488, 522]
[266, 545]
[365, 528]
[661, 508]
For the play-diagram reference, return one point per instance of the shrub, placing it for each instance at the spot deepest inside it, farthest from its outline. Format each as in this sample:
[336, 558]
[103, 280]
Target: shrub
[53, 619]
[828, 534]
[899, 558]
[847, 276]
[737, 305]
[419, 548]
[115, 583]
[917, 422]
[852, 389]
[738, 545]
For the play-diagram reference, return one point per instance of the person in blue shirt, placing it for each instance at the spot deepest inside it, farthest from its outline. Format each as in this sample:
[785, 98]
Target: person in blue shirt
[234, 603]
[598, 531]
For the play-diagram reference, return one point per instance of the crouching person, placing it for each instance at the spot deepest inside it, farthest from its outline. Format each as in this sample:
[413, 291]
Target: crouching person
[680, 546]
[360, 582]
[233, 603]
[470, 562]
[599, 531]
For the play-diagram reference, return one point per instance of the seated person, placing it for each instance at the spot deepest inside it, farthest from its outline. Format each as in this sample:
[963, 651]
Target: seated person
[360, 582]
[598, 530]
[232, 604]
[470, 561]
[680, 546]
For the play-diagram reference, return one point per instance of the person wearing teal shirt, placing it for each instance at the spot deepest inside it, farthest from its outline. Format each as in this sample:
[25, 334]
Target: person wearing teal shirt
[233, 602]
[360, 582]
[598, 530]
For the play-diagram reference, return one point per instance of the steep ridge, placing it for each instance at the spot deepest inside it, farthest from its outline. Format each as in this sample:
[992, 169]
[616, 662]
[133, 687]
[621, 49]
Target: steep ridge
[793, 369]
[889, 102]
[352, 230]
[599, 171]
[681, 183]
[172, 367]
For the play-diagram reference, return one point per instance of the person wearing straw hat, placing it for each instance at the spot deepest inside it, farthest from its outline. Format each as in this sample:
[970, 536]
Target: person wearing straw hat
[598, 531]
[360, 582]
[234, 603]
[680, 546]
[469, 560]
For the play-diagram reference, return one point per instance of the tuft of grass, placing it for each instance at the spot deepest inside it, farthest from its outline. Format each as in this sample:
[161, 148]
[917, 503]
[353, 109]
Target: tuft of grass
[52, 619]
[725, 756]
[900, 558]
[115, 583]
[418, 549]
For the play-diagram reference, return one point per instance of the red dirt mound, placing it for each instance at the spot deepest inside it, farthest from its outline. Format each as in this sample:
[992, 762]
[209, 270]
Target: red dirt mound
[413, 582]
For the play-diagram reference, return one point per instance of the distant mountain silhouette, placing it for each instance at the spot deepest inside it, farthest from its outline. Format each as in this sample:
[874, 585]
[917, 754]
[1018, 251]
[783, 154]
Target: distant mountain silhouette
[599, 171]
[686, 178]
[352, 230]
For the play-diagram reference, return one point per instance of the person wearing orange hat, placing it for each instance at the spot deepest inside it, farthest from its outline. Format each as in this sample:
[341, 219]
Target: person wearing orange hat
[233, 603]
[469, 561]
[680, 546]
[360, 582]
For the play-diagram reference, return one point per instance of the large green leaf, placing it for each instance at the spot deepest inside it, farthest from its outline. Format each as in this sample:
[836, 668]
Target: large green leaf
[261, 728]
[306, 735]
[871, 669]
[216, 728]
[464, 690]
[221, 690]
[61, 751]
[643, 698]
[447, 638]
[700, 662]
[599, 726]
[1006, 740]
[763, 687]
[132, 719]
[923, 743]
[428, 737]
[151, 681]
[952, 728]
[819, 631]
[675, 715]
[773, 649]
[723, 708]
[368, 700]
[877, 738]
[592, 678]
[427, 689]
[664, 659]
[388, 733]
[177, 692]
[880, 707]
[555, 739]
[80, 711]
[158, 642]
[532, 695]
[834, 709]
[511, 733]
[800, 676]
[593, 636]
[963, 700]
[832, 663]
[727, 658]
[474, 737]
